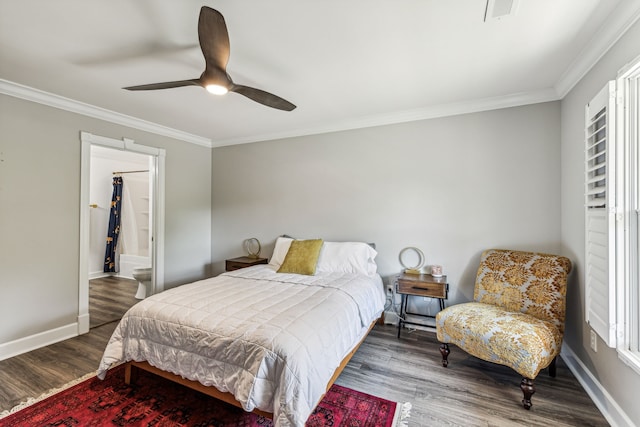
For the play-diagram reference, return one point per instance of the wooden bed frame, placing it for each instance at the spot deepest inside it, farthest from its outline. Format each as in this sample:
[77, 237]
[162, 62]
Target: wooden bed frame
[130, 375]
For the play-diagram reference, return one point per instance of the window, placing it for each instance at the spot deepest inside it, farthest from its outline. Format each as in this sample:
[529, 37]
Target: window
[628, 87]
[612, 214]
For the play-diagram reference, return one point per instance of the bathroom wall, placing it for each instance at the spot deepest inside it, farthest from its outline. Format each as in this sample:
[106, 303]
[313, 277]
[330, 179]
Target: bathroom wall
[134, 239]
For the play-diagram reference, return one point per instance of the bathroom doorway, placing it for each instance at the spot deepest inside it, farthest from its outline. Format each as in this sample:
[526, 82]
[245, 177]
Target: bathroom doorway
[140, 242]
[112, 293]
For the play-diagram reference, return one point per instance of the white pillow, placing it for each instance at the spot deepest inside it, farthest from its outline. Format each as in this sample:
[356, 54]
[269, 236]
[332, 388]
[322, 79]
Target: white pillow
[280, 251]
[347, 257]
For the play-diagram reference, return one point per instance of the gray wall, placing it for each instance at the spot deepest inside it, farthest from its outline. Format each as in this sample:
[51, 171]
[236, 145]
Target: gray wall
[39, 218]
[618, 379]
[450, 186]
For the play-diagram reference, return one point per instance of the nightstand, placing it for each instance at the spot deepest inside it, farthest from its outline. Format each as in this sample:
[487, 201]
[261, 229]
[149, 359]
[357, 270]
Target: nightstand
[242, 262]
[419, 285]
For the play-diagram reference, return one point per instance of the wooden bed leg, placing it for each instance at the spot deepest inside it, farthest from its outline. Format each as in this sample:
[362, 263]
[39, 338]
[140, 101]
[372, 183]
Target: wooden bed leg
[444, 351]
[130, 373]
[527, 387]
[127, 373]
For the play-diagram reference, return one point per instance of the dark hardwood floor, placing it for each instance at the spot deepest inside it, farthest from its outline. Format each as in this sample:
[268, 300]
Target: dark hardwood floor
[469, 392]
[109, 298]
[33, 373]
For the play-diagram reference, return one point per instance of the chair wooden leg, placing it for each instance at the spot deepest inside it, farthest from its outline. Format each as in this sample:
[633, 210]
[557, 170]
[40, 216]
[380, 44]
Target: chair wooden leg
[527, 387]
[552, 368]
[444, 351]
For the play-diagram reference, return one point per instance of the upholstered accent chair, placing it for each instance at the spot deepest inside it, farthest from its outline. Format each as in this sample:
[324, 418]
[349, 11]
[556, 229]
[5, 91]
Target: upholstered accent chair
[517, 316]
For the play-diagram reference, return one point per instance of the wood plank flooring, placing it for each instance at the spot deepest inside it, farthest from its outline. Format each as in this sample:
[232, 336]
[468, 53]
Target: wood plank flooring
[35, 372]
[469, 392]
[109, 298]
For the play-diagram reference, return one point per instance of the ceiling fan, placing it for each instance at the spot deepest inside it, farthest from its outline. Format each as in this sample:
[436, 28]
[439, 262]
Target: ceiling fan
[214, 42]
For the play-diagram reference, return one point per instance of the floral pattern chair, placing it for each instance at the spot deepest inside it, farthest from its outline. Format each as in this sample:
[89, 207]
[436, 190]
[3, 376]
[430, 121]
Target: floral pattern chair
[517, 316]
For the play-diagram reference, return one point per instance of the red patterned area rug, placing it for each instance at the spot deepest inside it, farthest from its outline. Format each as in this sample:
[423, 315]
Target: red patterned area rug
[155, 401]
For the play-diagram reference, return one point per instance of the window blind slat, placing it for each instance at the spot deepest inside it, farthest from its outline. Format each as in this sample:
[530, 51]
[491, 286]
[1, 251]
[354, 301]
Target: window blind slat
[596, 179]
[596, 140]
[596, 191]
[600, 130]
[596, 155]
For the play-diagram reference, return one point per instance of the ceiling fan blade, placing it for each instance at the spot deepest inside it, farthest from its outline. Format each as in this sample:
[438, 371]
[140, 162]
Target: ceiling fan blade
[265, 98]
[166, 85]
[214, 38]
[214, 42]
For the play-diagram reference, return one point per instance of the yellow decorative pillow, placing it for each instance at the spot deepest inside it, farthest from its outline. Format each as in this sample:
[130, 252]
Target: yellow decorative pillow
[302, 257]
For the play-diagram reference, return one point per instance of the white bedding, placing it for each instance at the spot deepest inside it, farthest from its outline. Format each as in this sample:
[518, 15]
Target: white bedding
[273, 340]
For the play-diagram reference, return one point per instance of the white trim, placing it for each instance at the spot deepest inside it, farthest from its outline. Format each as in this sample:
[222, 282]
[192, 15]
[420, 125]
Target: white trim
[41, 97]
[41, 339]
[600, 396]
[629, 359]
[158, 224]
[431, 112]
[83, 268]
[627, 298]
[616, 25]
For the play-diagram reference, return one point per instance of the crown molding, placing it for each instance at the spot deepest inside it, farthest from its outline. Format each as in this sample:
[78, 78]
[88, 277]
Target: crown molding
[616, 24]
[41, 97]
[431, 112]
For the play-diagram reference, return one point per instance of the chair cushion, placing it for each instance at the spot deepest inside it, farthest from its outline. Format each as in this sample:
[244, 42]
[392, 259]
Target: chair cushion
[517, 340]
[529, 282]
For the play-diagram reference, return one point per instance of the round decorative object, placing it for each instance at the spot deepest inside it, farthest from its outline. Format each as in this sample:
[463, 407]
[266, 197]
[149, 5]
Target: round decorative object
[252, 247]
[409, 255]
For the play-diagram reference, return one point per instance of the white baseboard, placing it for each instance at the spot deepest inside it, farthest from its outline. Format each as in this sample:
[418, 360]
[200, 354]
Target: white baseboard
[600, 396]
[390, 318]
[98, 274]
[23, 345]
[83, 323]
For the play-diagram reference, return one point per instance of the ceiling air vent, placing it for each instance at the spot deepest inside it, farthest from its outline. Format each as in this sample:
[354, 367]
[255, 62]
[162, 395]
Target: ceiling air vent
[499, 9]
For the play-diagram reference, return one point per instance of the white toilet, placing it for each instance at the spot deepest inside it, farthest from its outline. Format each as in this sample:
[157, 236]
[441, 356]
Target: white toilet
[143, 276]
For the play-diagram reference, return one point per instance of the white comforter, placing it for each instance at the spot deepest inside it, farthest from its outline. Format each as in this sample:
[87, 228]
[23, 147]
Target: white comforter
[273, 340]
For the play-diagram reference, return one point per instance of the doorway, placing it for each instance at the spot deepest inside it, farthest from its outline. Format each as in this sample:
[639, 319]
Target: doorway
[113, 292]
[141, 242]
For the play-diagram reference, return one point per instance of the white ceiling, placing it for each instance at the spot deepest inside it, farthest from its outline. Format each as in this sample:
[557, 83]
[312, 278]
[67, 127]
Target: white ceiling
[344, 63]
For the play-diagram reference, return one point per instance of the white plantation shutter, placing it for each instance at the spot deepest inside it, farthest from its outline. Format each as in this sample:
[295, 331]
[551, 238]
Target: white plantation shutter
[600, 214]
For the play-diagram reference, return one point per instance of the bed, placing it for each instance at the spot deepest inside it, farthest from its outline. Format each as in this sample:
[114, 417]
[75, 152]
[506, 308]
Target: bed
[264, 339]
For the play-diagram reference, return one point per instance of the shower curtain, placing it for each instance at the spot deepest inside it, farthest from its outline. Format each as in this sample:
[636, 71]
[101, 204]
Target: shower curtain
[114, 226]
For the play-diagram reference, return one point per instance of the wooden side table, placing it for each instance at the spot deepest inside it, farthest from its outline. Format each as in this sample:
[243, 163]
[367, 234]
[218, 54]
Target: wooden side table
[420, 285]
[242, 262]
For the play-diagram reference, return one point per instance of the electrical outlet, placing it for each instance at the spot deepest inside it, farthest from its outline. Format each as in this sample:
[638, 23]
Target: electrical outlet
[594, 341]
[390, 286]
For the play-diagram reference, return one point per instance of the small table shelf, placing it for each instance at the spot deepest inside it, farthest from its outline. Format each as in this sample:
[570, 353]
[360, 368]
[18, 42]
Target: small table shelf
[419, 285]
[242, 262]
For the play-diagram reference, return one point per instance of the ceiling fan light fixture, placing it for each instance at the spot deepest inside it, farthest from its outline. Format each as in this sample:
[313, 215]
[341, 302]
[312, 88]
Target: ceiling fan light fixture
[216, 89]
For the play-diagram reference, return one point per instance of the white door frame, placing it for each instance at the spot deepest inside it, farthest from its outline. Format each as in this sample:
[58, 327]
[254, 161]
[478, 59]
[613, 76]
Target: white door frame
[156, 177]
